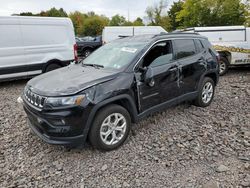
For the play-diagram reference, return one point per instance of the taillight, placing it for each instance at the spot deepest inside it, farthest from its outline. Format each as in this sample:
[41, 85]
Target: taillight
[218, 57]
[75, 52]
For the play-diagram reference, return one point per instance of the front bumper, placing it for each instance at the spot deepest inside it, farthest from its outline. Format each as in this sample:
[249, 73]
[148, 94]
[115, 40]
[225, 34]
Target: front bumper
[58, 127]
[65, 141]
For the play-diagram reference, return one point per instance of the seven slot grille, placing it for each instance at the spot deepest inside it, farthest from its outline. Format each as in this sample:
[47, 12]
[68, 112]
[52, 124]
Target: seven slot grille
[34, 99]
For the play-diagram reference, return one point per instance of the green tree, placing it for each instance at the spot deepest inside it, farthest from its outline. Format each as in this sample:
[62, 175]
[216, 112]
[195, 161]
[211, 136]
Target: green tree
[78, 20]
[138, 22]
[117, 20]
[94, 25]
[43, 13]
[158, 16]
[212, 13]
[91, 14]
[172, 14]
[155, 13]
[127, 23]
[247, 12]
[53, 12]
[26, 14]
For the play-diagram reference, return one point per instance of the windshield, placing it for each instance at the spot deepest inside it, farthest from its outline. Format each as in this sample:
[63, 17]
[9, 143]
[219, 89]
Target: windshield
[115, 55]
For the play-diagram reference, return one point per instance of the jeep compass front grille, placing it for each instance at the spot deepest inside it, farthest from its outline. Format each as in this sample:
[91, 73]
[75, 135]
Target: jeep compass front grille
[34, 99]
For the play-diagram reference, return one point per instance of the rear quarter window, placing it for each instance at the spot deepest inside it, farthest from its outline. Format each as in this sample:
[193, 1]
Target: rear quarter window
[209, 46]
[199, 46]
[184, 48]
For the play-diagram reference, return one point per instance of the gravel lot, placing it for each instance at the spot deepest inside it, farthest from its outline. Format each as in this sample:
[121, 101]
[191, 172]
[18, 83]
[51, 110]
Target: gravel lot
[184, 146]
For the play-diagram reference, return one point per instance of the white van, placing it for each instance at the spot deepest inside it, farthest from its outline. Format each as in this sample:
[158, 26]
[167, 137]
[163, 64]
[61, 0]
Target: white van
[33, 45]
[115, 32]
[232, 43]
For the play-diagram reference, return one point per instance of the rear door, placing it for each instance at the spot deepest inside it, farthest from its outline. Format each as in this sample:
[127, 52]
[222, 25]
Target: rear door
[192, 64]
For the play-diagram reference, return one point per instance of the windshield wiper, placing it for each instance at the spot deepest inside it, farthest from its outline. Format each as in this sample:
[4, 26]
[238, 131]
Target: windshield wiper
[93, 65]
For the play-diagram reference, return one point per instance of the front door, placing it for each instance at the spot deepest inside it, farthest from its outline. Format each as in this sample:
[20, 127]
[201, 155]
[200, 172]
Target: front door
[163, 86]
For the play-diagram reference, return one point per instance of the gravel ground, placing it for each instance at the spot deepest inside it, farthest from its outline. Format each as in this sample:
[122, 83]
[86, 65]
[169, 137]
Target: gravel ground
[184, 146]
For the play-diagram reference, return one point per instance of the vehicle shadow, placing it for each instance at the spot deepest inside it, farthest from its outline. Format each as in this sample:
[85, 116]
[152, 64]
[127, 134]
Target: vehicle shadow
[13, 83]
[239, 69]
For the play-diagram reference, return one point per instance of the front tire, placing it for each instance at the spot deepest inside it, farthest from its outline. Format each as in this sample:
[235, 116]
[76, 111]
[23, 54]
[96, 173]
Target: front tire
[110, 128]
[206, 93]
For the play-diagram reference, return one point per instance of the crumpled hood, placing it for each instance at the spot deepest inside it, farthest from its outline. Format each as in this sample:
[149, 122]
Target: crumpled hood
[69, 80]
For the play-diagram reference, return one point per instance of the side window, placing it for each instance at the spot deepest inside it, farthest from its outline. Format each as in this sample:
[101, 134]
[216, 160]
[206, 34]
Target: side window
[204, 43]
[184, 48]
[159, 54]
[199, 45]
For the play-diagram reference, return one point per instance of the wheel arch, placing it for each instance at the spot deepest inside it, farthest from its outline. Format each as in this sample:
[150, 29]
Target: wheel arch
[213, 76]
[124, 100]
[87, 48]
[53, 61]
[227, 55]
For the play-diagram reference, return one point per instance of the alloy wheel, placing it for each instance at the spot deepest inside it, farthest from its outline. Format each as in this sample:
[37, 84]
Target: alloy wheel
[222, 67]
[207, 92]
[113, 129]
[87, 53]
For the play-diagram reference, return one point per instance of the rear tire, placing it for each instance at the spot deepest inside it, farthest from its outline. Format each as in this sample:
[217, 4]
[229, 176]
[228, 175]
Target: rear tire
[206, 93]
[110, 128]
[223, 65]
[87, 52]
[52, 67]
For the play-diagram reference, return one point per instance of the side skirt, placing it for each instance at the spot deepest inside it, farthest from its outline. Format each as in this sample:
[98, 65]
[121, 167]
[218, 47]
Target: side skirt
[167, 104]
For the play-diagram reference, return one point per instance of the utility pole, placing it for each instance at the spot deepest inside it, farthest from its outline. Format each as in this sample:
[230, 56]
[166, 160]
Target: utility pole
[128, 15]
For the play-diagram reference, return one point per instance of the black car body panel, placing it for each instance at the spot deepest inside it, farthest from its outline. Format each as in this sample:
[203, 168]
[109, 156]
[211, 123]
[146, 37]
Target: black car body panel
[173, 83]
[69, 80]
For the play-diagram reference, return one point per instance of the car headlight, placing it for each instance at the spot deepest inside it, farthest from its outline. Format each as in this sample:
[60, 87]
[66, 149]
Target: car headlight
[64, 101]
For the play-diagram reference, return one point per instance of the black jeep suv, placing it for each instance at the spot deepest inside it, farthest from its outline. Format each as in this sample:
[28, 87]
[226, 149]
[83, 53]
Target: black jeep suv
[118, 84]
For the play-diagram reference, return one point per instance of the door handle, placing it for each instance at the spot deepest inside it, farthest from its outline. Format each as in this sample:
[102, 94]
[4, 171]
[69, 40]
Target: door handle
[151, 83]
[174, 68]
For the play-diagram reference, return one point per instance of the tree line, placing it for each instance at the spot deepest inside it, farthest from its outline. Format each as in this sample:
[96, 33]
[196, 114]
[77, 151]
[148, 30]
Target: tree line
[181, 14]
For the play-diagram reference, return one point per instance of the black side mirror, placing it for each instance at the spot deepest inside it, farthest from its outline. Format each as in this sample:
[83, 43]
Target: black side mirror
[142, 69]
[149, 75]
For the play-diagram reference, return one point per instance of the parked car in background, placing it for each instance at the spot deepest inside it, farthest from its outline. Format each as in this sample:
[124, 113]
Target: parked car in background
[78, 39]
[115, 32]
[232, 43]
[121, 82]
[33, 45]
[86, 45]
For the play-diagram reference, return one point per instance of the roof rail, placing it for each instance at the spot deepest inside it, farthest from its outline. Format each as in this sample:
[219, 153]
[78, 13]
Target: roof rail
[175, 33]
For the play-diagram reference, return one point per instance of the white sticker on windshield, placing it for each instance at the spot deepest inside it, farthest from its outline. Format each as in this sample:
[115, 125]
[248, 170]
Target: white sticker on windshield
[117, 66]
[130, 50]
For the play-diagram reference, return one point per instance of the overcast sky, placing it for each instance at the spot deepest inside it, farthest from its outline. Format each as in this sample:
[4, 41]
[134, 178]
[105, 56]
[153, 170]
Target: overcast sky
[107, 7]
